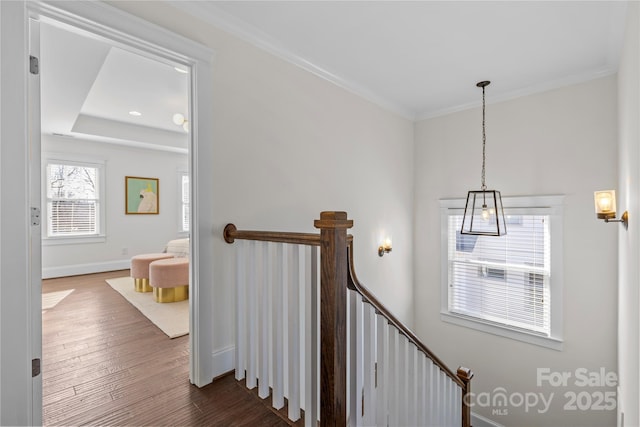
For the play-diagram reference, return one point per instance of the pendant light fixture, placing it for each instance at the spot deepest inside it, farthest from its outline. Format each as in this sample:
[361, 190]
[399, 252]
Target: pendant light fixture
[483, 213]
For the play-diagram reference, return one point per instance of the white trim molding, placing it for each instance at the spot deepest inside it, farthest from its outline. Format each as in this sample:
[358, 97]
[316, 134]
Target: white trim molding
[135, 34]
[480, 421]
[78, 269]
[548, 205]
[223, 360]
[226, 22]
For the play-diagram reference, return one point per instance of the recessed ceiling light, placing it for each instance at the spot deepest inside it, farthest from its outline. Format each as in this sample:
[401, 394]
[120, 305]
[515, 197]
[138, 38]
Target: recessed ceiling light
[181, 70]
[135, 113]
[178, 119]
[181, 120]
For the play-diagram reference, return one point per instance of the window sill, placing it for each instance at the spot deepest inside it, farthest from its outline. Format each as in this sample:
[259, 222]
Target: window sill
[502, 331]
[73, 240]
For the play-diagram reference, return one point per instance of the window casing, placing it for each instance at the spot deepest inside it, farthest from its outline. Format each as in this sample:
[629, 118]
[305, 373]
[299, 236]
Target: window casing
[73, 194]
[509, 285]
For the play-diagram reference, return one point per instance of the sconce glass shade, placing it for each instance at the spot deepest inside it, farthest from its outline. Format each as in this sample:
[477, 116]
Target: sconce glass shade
[605, 202]
[483, 214]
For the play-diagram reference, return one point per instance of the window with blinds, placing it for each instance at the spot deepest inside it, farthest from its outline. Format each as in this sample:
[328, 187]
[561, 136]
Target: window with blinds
[184, 197]
[502, 280]
[73, 200]
[509, 286]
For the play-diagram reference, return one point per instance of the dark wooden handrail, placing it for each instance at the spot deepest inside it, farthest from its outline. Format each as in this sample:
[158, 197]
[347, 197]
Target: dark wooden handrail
[309, 239]
[356, 286]
[463, 375]
[336, 246]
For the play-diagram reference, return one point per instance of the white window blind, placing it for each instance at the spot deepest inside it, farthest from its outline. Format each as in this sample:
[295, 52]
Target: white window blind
[185, 202]
[502, 280]
[73, 199]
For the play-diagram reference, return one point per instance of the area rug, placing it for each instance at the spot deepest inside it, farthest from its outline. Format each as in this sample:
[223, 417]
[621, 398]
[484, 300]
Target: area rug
[51, 299]
[172, 318]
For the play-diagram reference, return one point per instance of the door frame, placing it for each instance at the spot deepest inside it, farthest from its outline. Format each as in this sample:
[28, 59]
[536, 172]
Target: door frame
[19, 402]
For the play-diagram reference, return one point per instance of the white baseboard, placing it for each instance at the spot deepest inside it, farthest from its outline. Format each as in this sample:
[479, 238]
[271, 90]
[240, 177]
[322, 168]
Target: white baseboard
[480, 421]
[223, 361]
[78, 269]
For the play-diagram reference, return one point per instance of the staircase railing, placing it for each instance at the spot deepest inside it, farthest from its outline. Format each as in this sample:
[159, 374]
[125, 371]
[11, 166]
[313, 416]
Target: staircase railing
[367, 368]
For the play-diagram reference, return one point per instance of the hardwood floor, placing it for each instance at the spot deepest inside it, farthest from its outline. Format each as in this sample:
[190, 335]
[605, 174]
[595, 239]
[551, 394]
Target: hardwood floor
[104, 363]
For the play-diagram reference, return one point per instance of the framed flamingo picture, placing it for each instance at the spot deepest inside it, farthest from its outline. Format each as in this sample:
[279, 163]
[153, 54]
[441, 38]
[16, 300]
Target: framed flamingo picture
[142, 195]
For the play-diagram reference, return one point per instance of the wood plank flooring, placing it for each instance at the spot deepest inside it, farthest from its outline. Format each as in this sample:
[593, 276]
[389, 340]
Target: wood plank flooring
[104, 363]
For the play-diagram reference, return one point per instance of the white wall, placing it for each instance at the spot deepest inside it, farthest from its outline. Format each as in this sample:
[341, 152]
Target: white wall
[629, 241]
[558, 142]
[289, 145]
[134, 234]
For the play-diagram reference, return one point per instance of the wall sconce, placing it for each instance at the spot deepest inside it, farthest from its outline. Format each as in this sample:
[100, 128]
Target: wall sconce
[385, 247]
[605, 202]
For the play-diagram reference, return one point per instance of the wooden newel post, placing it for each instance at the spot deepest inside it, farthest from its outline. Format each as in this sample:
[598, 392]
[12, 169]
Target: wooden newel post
[333, 317]
[465, 376]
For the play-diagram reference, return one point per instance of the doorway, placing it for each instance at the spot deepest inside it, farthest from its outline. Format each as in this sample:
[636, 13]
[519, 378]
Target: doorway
[107, 113]
[102, 20]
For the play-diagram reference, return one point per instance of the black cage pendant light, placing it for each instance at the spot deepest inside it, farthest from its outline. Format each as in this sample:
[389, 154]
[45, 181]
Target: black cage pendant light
[483, 213]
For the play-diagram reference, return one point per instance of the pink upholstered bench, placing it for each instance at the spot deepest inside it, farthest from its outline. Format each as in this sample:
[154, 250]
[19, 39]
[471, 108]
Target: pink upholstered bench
[169, 279]
[140, 269]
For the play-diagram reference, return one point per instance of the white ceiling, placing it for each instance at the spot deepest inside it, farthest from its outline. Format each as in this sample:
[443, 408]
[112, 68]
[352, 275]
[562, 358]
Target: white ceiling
[417, 58]
[423, 58]
[88, 88]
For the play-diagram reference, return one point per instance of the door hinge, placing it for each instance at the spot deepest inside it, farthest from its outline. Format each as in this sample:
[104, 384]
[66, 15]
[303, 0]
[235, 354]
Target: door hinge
[35, 216]
[35, 367]
[375, 367]
[34, 65]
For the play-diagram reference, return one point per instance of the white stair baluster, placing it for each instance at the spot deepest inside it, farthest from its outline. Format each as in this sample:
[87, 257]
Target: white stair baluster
[458, 406]
[432, 392]
[390, 382]
[382, 371]
[369, 368]
[293, 333]
[446, 407]
[441, 398]
[241, 311]
[449, 397]
[412, 380]
[421, 390]
[394, 376]
[312, 380]
[263, 328]
[360, 360]
[302, 320]
[278, 350]
[403, 379]
[251, 380]
[355, 331]
[454, 401]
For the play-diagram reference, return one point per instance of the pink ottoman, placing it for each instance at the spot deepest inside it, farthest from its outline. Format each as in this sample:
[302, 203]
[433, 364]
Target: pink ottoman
[140, 269]
[169, 279]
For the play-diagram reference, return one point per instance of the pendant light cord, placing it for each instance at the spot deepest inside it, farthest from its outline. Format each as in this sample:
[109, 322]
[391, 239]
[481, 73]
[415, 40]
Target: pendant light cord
[484, 143]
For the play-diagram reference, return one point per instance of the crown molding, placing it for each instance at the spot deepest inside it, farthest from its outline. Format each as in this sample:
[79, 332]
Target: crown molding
[519, 93]
[215, 16]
